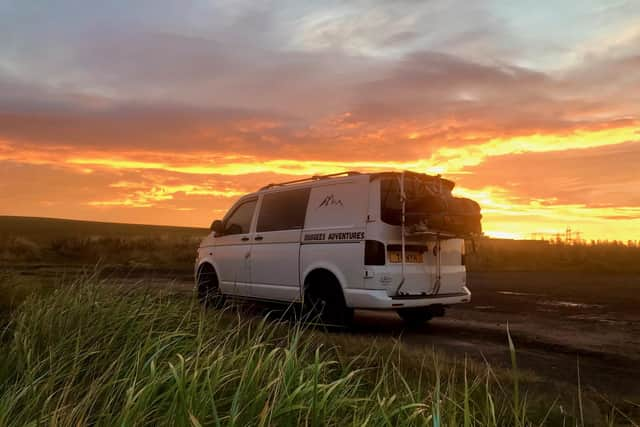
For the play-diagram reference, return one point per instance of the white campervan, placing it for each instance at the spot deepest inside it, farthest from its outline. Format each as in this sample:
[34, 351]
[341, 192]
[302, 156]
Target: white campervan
[336, 243]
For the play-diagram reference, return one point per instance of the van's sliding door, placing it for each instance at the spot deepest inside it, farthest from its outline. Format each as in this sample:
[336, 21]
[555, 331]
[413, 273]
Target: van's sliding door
[276, 245]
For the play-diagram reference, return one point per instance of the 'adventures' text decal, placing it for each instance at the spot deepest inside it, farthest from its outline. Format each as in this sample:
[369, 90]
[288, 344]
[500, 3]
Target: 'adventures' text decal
[339, 236]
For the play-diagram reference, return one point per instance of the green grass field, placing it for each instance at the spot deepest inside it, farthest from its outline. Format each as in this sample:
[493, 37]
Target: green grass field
[47, 229]
[25, 241]
[91, 353]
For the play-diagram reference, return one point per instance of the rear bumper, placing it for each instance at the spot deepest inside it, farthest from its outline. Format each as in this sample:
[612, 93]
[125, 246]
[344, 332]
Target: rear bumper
[379, 300]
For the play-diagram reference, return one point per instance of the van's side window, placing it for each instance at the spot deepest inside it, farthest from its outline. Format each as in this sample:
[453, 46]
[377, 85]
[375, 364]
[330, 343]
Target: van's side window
[239, 221]
[284, 210]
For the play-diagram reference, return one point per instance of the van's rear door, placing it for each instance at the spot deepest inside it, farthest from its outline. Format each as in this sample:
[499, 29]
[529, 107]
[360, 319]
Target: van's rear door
[452, 272]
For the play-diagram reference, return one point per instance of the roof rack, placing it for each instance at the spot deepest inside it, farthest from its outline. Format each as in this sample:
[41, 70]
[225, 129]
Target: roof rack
[312, 178]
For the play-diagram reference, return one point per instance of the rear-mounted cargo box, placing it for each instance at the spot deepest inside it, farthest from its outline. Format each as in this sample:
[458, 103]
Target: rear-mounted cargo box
[429, 206]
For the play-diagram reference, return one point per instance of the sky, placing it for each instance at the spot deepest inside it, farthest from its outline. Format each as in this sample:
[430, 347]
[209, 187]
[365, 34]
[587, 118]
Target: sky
[165, 112]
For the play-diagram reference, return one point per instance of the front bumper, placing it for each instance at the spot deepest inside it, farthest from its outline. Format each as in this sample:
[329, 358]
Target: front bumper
[380, 300]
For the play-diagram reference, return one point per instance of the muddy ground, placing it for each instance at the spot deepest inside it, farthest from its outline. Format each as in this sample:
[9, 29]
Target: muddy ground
[557, 320]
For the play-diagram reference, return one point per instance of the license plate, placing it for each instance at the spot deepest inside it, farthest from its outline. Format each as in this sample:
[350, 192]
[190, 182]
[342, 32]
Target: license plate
[410, 257]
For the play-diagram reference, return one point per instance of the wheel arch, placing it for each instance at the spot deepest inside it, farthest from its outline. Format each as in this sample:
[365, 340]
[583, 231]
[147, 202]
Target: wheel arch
[202, 266]
[324, 276]
[323, 270]
[323, 288]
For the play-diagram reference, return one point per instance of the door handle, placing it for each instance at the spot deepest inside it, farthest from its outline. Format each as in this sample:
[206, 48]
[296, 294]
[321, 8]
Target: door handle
[244, 239]
[258, 238]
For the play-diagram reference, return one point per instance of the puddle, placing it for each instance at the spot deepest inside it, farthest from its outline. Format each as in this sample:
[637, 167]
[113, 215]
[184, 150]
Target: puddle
[485, 307]
[568, 304]
[522, 294]
[598, 319]
[549, 303]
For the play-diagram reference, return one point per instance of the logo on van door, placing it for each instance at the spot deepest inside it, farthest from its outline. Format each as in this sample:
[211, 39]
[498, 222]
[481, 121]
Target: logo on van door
[330, 201]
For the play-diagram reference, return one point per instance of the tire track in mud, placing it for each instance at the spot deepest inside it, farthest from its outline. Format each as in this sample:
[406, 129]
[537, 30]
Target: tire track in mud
[540, 354]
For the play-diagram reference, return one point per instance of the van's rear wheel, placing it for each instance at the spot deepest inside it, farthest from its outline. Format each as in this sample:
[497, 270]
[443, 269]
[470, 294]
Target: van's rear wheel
[415, 316]
[324, 301]
[208, 287]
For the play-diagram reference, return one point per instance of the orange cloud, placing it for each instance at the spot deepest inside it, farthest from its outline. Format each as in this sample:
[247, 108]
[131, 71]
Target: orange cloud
[177, 181]
[145, 198]
[445, 159]
[471, 155]
[506, 215]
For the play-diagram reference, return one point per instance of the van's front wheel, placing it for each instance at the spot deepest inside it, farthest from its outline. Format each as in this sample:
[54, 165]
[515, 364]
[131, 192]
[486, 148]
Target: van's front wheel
[208, 287]
[415, 316]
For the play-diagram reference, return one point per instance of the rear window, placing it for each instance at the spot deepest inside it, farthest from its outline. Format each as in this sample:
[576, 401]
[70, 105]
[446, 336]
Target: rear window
[390, 203]
[284, 210]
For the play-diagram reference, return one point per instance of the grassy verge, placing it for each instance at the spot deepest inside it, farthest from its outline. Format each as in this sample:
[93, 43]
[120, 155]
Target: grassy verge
[527, 255]
[91, 354]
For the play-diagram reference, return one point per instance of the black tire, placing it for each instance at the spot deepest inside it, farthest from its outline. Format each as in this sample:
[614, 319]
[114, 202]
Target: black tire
[415, 316]
[324, 301]
[208, 287]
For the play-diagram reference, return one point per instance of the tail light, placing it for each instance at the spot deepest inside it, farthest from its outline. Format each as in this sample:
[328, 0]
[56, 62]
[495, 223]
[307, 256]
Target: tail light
[374, 253]
[463, 253]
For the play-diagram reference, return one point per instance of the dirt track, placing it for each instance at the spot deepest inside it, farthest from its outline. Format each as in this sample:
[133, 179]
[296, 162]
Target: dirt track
[551, 332]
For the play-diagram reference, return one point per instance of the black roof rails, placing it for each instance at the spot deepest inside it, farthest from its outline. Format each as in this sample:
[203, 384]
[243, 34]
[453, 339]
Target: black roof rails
[312, 178]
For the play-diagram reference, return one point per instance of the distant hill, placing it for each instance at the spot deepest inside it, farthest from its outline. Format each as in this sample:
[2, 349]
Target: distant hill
[45, 229]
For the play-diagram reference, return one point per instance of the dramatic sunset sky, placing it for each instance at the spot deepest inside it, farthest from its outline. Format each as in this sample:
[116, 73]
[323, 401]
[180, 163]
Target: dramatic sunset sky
[164, 112]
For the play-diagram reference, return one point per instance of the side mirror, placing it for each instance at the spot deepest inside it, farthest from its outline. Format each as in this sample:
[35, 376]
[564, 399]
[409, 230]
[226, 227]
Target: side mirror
[234, 229]
[216, 227]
